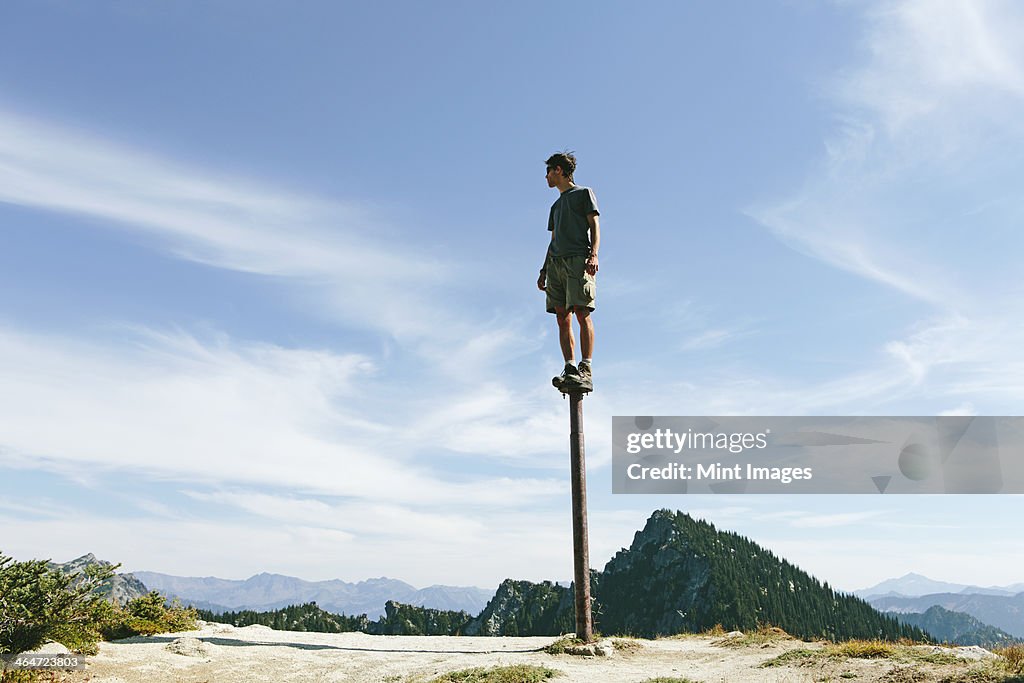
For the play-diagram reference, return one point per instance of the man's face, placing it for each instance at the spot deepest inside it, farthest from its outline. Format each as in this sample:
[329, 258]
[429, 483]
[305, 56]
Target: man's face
[553, 175]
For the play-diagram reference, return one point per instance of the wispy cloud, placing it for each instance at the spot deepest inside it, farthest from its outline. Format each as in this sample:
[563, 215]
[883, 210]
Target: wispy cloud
[175, 399]
[928, 60]
[43, 509]
[349, 265]
[919, 124]
[358, 518]
[179, 407]
[923, 127]
[227, 222]
[711, 338]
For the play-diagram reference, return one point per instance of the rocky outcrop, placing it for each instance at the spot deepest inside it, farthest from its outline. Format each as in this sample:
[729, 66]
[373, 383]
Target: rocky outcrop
[120, 588]
[523, 608]
[188, 647]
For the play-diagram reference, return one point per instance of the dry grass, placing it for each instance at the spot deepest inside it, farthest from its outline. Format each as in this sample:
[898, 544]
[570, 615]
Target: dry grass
[950, 668]
[765, 634]
[801, 657]
[627, 645]
[1013, 658]
[518, 673]
[865, 649]
[987, 672]
[910, 674]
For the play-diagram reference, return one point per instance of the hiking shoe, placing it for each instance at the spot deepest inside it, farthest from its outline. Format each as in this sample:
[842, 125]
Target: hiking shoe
[586, 381]
[586, 377]
[569, 377]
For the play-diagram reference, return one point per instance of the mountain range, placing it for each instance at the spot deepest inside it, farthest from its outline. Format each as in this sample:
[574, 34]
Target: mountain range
[1001, 611]
[267, 592]
[916, 585]
[976, 614]
[679, 574]
[957, 627]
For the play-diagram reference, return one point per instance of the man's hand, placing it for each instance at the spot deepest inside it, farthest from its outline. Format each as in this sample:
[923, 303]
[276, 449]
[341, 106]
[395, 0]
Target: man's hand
[540, 281]
[594, 223]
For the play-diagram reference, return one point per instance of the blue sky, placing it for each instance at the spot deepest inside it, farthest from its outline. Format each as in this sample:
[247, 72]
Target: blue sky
[269, 273]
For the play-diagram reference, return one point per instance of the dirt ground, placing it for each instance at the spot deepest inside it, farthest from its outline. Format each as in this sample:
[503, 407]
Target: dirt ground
[218, 653]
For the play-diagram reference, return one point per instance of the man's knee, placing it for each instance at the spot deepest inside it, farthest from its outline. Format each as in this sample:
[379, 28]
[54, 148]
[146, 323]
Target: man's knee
[563, 316]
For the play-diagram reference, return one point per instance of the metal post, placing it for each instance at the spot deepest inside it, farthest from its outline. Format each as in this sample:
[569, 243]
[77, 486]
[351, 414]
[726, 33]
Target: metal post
[580, 542]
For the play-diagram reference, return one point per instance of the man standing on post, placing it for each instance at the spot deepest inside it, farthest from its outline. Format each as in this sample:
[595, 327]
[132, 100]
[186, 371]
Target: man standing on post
[570, 267]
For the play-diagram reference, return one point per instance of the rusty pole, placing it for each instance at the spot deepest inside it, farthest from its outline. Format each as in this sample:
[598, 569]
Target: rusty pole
[580, 542]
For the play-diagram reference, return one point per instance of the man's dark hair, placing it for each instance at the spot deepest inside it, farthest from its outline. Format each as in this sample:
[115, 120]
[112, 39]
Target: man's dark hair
[565, 161]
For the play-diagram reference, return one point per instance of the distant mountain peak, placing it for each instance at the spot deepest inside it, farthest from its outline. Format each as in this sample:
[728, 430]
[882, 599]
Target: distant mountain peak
[120, 588]
[914, 585]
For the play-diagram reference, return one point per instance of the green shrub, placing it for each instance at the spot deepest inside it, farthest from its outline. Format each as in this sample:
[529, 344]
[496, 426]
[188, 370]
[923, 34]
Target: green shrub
[39, 603]
[563, 644]
[144, 616]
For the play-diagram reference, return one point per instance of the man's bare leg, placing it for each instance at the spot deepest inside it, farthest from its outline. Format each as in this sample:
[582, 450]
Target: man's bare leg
[565, 339]
[569, 375]
[586, 347]
[586, 333]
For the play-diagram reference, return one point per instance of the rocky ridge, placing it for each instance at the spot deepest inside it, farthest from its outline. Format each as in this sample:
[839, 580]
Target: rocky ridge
[120, 588]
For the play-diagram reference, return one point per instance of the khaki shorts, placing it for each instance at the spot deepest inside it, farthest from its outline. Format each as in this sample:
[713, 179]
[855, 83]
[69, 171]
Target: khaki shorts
[569, 284]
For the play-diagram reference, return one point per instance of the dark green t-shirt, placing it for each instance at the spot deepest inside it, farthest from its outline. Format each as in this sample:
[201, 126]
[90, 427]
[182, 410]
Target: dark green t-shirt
[570, 234]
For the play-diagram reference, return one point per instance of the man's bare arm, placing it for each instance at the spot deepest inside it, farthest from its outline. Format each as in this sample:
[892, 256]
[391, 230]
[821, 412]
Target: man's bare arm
[593, 220]
[543, 269]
